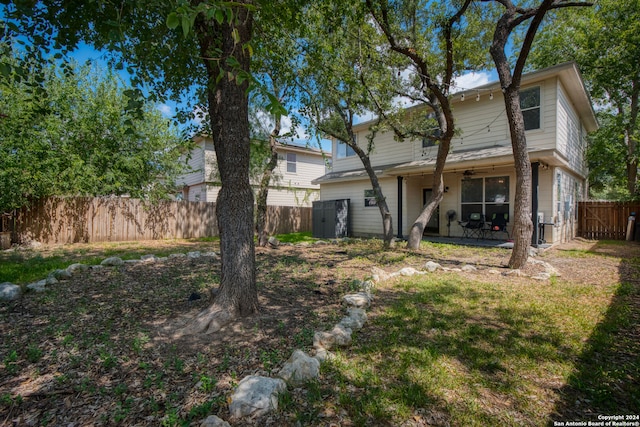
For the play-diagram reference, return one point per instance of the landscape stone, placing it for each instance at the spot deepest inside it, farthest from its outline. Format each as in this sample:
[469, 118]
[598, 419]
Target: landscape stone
[39, 286]
[432, 266]
[50, 280]
[256, 396]
[214, 421]
[542, 276]
[551, 270]
[323, 354]
[408, 272]
[367, 286]
[379, 275]
[469, 268]
[113, 261]
[299, 368]
[515, 272]
[210, 254]
[360, 299]
[274, 242]
[9, 291]
[132, 261]
[149, 259]
[61, 274]
[323, 340]
[194, 254]
[342, 335]
[493, 271]
[74, 268]
[177, 256]
[355, 319]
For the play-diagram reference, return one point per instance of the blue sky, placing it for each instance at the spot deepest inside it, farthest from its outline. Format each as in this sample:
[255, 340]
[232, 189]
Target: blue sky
[87, 53]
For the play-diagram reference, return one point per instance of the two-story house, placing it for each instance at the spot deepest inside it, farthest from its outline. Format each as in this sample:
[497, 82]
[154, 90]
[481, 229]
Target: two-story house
[480, 175]
[291, 183]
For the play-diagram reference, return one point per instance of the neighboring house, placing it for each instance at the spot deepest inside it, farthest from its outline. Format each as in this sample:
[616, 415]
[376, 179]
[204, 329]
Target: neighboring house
[291, 184]
[480, 175]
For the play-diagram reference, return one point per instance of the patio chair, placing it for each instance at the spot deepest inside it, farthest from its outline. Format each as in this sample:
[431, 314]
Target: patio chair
[474, 227]
[499, 223]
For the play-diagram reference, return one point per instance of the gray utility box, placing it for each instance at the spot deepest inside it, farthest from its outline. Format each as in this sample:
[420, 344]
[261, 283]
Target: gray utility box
[331, 219]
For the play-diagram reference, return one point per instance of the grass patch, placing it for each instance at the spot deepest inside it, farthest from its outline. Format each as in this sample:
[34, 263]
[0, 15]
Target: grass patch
[296, 237]
[471, 353]
[21, 267]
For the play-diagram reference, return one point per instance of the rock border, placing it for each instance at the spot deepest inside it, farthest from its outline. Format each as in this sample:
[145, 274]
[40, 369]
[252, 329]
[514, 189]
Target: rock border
[256, 395]
[10, 291]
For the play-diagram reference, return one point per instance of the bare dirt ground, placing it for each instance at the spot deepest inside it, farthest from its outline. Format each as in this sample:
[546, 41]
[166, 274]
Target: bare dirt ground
[98, 349]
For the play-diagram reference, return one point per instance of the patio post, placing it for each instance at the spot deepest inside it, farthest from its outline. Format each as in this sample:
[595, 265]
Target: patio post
[534, 204]
[399, 207]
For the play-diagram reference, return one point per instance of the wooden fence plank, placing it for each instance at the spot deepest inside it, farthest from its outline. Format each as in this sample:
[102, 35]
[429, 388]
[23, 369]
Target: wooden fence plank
[72, 220]
[605, 220]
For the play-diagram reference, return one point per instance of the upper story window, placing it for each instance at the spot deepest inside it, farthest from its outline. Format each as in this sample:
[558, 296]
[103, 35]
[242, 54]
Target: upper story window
[291, 162]
[435, 132]
[530, 105]
[344, 150]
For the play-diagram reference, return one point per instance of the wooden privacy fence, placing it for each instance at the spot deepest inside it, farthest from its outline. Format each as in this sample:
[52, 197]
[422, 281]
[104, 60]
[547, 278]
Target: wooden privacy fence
[72, 220]
[600, 220]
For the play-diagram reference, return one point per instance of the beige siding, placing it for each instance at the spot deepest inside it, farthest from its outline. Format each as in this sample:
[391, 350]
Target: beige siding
[480, 124]
[195, 163]
[308, 168]
[300, 197]
[544, 138]
[287, 189]
[386, 151]
[571, 143]
[366, 221]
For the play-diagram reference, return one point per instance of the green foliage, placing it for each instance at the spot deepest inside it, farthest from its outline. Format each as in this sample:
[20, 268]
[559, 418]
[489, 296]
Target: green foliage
[605, 42]
[69, 132]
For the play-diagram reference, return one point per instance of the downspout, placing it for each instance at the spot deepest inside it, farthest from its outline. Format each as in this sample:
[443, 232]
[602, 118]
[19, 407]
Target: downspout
[400, 207]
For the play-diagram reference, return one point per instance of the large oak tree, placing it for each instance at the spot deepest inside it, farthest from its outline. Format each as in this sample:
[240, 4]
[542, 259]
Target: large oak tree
[198, 52]
[510, 75]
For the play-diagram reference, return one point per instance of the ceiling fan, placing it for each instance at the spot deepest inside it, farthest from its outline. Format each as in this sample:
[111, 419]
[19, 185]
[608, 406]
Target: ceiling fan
[469, 173]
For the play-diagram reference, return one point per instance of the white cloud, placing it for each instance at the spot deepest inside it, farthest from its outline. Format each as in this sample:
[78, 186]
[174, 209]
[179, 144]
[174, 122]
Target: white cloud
[472, 80]
[166, 110]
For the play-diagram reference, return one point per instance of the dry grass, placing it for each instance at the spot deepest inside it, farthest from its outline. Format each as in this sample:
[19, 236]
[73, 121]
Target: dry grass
[444, 349]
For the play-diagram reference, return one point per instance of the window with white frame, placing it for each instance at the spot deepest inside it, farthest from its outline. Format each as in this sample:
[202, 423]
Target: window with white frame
[291, 162]
[486, 196]
[370, 199]
[530, 106]
[344, 150]
[435, 133]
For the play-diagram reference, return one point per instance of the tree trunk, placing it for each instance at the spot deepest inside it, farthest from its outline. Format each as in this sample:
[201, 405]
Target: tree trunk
[632, 164]
[261, 199]
[632, 142]
[228, 109]
[523, 225]
[381, 201]
[417, 229]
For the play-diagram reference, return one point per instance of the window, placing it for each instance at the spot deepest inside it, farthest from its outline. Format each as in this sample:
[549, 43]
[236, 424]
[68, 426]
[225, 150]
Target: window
[344, 150]
[530, 105]
[370, 199]
[435, 132]
[291, 162]
[485, 195]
